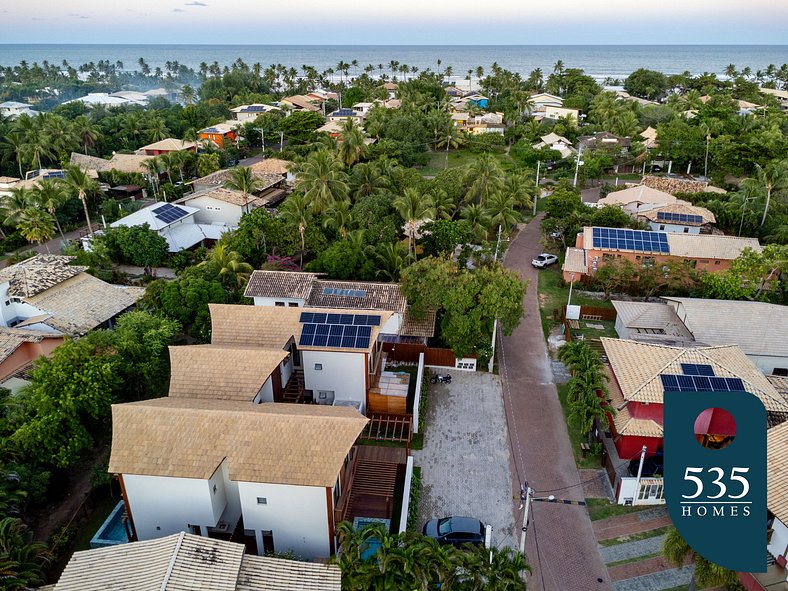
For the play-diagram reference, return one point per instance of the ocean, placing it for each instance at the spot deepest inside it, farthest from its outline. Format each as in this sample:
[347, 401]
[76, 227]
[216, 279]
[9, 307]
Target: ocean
[598, 61]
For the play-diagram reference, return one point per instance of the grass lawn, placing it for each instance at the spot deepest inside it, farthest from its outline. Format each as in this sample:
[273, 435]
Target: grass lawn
[644, 535]
[553, 294]
[602, 509]
[590, 461]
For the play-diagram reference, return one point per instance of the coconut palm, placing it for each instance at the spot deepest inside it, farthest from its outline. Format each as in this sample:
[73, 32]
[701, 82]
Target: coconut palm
[391, 259]
[486, 178]
[501, 210]
[230, 265]
[322, 180]
[477, 220]
[189, 94]
[522, 189]
[367, 180]
[156, 129]
[768, 180]
[12, 146]
[338, 217]
[296, 210]
[21, 559]
[242, 179]
[37, 226]
[60, 136]
[445, 206]
[351, 146]
[413, 207]
[52, 195]
[87, 131]
[705, 574]
[14, 206]
[80, 183]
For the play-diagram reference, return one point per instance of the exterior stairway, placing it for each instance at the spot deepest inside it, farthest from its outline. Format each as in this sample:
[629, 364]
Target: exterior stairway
[294, 393]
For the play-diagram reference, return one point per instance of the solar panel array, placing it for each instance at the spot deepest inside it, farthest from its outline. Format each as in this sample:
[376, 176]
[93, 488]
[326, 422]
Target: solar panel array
[168, 213]
[349, 293]
[670, 216]
[619, 239]
[342, 331]
[697, 383]
[254, 109]
[695, 369]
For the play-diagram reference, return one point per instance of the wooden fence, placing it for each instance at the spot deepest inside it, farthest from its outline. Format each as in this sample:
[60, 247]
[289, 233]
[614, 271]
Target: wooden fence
[593, 313]
[409, 353]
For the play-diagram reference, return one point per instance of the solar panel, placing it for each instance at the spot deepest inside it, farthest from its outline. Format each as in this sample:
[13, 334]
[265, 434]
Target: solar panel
[718, 384]
[623, 239]
[169, 213]
[697, 383]
[309, 329]
[679, 217]
[306, 317]
[686, 383]
[694, 369]
[342, 331]
[702, 383]
[670, 383]
[734, 384]
[352, 293]
[333, 318]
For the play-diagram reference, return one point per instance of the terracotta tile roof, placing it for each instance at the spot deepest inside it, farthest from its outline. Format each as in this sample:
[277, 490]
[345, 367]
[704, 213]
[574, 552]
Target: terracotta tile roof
[680, 207]
[303, 445]
[220, 177]
[759, 328]
[413, 327]
[259, 573]
[575, 261]
[38, 274]
[185, 562]
[638, 194]
[120, 162]
[84, 302]
[272, 165]
[377, 296]
[221, 372]
[300, 101]
[637, 367]
[777, 471]
[170, 144]
[272, 327]
[280, 284]
[623, 421]
[12, 338]
[226, 195]
[710, 246]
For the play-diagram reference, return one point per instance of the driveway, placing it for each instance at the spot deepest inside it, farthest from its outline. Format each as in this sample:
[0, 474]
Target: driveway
[560, 545]
[465, 460]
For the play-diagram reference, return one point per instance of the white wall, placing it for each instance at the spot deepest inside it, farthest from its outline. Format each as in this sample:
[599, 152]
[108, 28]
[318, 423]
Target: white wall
[161, 506]
[629, 490]
[212, 211]
[266, 393]
[767, 363]
[779, 541]
[286, 370]
[621, 330]
[258, 301]
[674, 228]
[343, 373]
[393, 324]
[296, 515]
[9, 310]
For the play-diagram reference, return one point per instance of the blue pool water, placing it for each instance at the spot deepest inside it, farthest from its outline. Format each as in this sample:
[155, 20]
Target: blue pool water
[112, 531]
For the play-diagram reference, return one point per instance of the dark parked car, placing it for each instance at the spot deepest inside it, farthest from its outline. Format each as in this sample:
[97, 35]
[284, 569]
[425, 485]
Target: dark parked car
[455, 530]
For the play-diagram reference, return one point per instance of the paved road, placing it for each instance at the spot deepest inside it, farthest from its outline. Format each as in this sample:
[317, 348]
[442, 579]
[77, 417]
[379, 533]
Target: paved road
[567, 547]
[465, 460]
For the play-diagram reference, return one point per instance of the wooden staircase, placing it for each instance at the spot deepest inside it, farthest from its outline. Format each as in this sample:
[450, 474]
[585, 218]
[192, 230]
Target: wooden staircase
[294, 393]
[372, 495]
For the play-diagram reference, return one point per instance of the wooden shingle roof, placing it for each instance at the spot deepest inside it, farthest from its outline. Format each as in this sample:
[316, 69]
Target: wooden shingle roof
[38, 274]
[271, 443]
[185, 562]
[221, 372]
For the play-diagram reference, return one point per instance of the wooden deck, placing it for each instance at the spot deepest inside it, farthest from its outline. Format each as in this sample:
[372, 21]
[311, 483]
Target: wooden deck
[376, 453]
[386, 427]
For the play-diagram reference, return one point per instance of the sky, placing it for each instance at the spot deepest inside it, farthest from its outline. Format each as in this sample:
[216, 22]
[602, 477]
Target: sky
[395, 22]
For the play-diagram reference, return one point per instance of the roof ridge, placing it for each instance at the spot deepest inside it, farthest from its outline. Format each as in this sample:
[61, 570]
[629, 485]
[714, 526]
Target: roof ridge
[171, 565]
[659, 372]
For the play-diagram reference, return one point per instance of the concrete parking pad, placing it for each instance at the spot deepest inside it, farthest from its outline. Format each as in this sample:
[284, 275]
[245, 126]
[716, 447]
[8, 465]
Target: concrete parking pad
[465, 460]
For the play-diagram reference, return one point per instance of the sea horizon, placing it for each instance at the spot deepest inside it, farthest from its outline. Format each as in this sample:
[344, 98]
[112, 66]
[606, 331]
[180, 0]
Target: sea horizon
[597, 60]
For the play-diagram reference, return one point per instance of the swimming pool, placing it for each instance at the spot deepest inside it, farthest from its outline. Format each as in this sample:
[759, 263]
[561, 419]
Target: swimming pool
[112, 531]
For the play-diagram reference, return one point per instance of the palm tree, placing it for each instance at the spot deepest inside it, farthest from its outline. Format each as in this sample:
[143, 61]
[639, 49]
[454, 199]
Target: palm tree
[366, 180]
[80, 183]
[521, 188]
[13, 147]
[14, 206]
[296, 210]
[322, 180]
[37, 226]
[501, 210]
[156, 128]
[351, 146]
[338, 217]
[773, 178]
[414, 207]
[189, 94]
[230, 266]
[705, 574]
[486, 178]
[477, 220]
[51, 195]
[21, 558]
[391, 259]
[242, 179]
[87, 132]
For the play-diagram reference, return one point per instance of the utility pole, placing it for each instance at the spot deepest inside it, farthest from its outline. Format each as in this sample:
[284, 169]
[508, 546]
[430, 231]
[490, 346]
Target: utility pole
[640, 472]
[571, 285]
[706, 161]
[495, 322]
[525, 503]
[448, 141]
[281, 139]
[262, 138]
[577, 166]
[538, 190]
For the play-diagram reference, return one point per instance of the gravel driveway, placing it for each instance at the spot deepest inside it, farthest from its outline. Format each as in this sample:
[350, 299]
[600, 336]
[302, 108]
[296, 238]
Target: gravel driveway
[465, 461]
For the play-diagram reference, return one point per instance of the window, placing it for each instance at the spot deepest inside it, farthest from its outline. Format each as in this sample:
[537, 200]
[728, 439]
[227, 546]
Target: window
[716, 262]
[214, 489]
[193, 529]
[262, 501]
[648, 262]
[292, 304]
[686, 230]
[780, 371]
[318, 367]
[651, 492]
[689, 263]
[8, 302]
[662, 226]
[282, 304]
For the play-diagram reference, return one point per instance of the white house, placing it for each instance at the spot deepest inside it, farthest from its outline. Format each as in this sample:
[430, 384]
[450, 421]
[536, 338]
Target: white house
[363, 108]
[186, 561]
[252, 112]
[13, 109]
[200, 466]
[175, 223]
[295, 289]
[46, 294]
[337, 353]
[555, 113]
[104, 99]
[679, 217]
[542, 100]
[556, 142]
[220, 206]
[638, 199]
